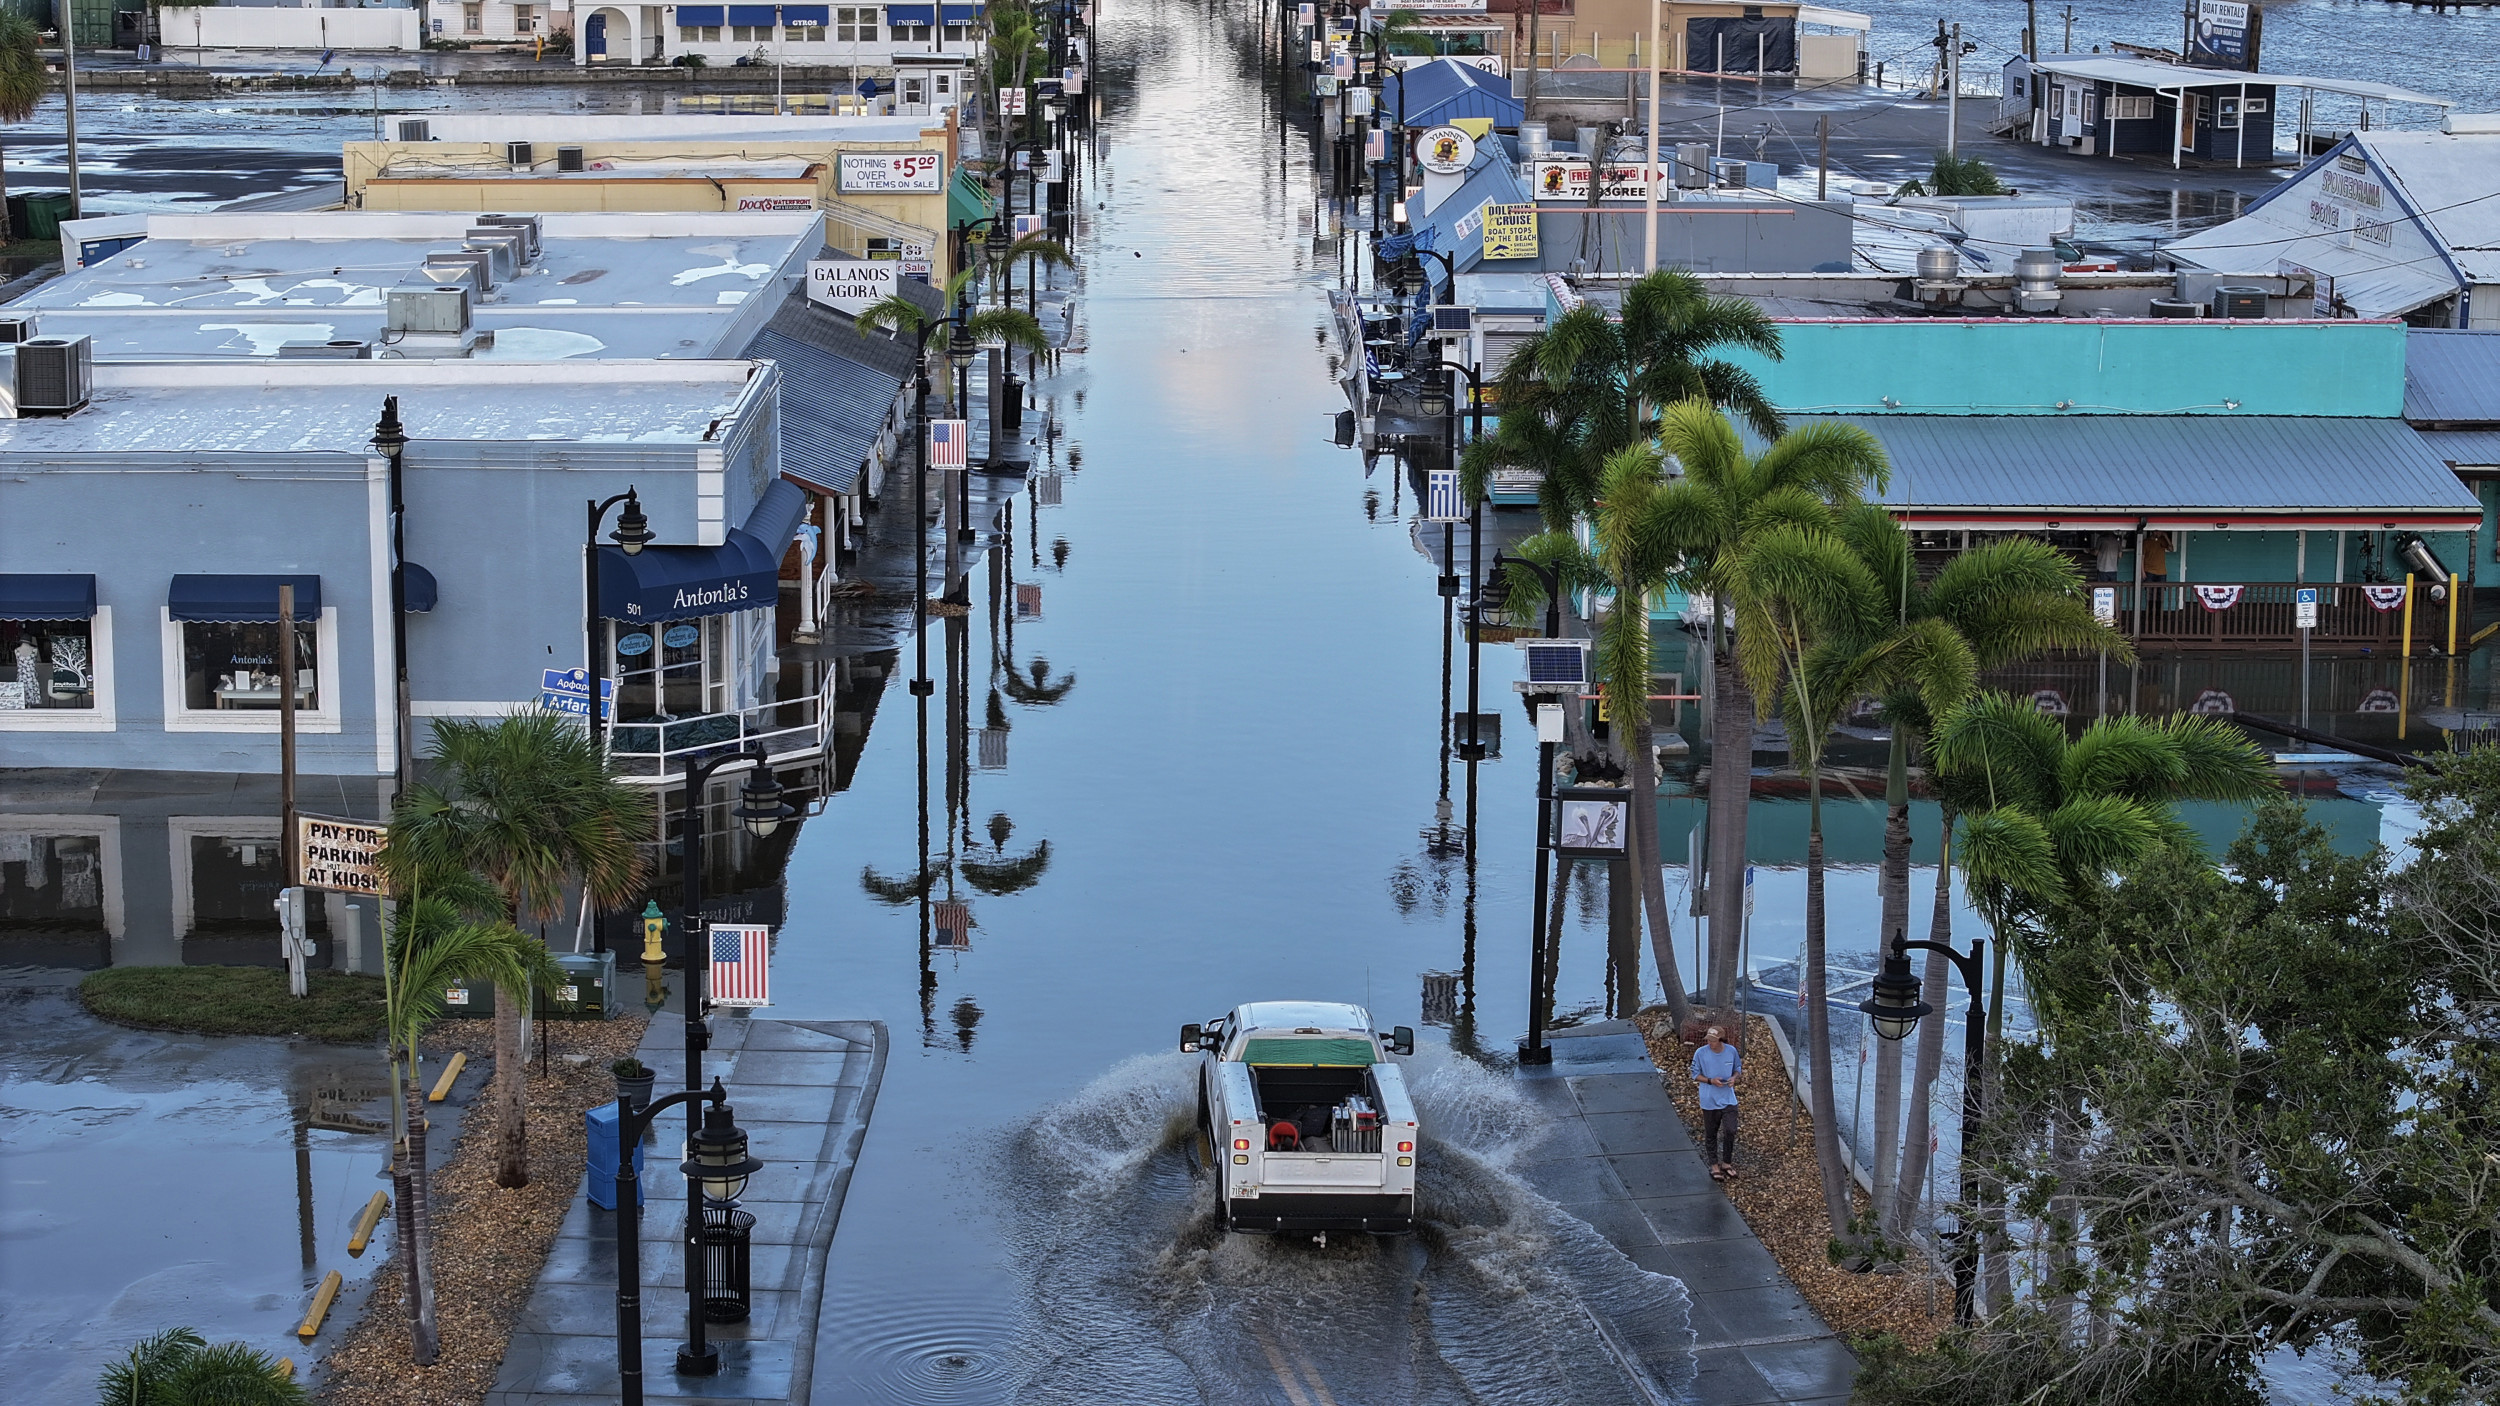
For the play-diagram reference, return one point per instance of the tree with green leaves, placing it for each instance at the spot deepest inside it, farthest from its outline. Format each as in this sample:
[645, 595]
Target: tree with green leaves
[178, 1367]
[2007, 600]
[1813, 638]
[530, 804]
[1010, 327]
[23, 82]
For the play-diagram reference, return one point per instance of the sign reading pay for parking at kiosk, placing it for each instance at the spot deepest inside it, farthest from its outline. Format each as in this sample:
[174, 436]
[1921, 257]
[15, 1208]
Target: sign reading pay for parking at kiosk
[340, 855]
[851, 285]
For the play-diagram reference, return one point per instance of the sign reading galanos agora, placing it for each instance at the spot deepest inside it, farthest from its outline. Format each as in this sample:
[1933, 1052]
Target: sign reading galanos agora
[851, 285]
[341, 855]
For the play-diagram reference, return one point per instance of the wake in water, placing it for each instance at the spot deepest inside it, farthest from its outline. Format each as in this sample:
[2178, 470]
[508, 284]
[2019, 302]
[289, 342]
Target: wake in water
[1133, 1292]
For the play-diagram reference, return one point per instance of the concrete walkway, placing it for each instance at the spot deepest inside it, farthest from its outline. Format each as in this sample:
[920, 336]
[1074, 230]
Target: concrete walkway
[803, 1090]
[1621, 1160]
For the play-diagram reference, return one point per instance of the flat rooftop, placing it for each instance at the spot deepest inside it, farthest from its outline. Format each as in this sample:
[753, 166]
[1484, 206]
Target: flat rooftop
[625, 285]
[614, 127]
[329, 407]
[606, 168]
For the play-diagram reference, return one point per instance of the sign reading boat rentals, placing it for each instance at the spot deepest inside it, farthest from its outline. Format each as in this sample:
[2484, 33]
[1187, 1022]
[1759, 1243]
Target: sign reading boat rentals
[851, 285]
[340, 855]
[890, 172]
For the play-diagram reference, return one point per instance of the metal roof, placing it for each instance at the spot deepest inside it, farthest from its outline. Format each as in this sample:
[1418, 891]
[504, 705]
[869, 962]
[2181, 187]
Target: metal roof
[2452, 377]
[832, 412]
[2147, 73]
[2198, 464]
[2467, 449]
[2398, 268]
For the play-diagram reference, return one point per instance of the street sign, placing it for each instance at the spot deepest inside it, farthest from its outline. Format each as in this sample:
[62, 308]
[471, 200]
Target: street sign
[2105, 604]
[1011, 102]
[1749, 890]
[339, 855]
[1441, 496]
[851, 285]
[2305, 607]
[1510, 231]
[568, 691]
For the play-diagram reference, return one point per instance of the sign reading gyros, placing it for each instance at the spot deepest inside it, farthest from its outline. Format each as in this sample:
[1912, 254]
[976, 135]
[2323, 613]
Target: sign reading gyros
[341, 855]
[1445, 151]
[851, 285]
[897, 172]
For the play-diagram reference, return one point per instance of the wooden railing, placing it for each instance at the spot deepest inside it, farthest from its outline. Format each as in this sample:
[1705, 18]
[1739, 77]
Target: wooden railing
[2265, 613]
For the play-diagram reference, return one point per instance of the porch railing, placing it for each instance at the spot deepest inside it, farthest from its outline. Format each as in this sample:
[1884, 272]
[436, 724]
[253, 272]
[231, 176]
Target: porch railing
[2264, 613]
[651, 750]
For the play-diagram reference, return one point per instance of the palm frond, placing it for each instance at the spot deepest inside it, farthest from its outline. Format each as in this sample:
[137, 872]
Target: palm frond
[1836, 462]
[1012, 326]
[2218, 762]
[2010, 849]
[2004, 747]
[891, 313]
[2100, 836]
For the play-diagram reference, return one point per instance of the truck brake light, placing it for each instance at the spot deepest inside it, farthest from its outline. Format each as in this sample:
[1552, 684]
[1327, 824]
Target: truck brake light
[1406, 1147]
[1241, 1144]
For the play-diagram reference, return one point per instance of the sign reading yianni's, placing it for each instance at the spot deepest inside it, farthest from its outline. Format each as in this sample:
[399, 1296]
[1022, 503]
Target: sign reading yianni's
[891, 172]
[851, 285]
[341, 855]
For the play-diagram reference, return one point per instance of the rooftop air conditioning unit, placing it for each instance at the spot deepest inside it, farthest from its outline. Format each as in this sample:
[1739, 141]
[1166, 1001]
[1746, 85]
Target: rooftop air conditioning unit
[532, 226]
[1692, 165]
[475, 267]
[515, 240]
[568, 158]
[339, 349]
[424, 308]
[54, 375]
[16, 329]
[521, 154]
[415, 129]
[2177, 307]
[2240, 300]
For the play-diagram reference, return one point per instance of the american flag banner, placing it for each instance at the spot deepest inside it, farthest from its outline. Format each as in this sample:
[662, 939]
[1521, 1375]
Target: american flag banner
[1045, 490]
[1441, 496]
[1028, 600]
[741, 964]
[954, 925]
[947, 442]
[993, 748]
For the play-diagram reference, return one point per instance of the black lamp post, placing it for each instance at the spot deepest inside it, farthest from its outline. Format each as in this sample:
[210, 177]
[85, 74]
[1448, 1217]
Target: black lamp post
[761, 809]
[1896, 1010]
[720, 1160]
[960, 351]
[1471, 748]
[1493, 595]
[920, 684]
[633, 533]
[391, 441]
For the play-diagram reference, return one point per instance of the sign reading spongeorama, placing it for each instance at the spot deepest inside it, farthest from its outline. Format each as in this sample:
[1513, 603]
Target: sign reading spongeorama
[891, 172]
[341, 855]
[851, 285]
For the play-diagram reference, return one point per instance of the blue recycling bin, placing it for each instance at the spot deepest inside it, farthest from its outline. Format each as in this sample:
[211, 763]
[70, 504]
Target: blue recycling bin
[600, 1124]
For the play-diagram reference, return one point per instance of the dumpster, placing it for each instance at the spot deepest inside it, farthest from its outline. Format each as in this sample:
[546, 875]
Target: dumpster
[469, 1000]
[44, 212]
[584, 994]
[599, 1123]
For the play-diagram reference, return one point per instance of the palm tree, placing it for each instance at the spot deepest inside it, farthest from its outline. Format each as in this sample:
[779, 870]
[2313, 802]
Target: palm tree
[1034, 248]
[436, 942]
[1010, 326]
[2045, 816]
[1727, 499]
[1634, 557]
[2007, 600]
[1812, 633]
[178, 1367]
[23, 83]
[530, 804]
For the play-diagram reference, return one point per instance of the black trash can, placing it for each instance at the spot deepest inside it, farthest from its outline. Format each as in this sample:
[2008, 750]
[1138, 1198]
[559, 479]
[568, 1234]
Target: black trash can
[728, 1238]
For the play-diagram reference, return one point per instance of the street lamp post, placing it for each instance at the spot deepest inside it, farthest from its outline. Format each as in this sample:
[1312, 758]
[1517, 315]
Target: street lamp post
[960, 351]
[633, 533]
[1495, 593]
[761, 809]
[1895, 1009]
[920, 684]
[719, 1168]
[391, 439]
[1472, 749]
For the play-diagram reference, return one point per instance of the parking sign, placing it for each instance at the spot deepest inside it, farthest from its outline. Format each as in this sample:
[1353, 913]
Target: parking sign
[2305, 607]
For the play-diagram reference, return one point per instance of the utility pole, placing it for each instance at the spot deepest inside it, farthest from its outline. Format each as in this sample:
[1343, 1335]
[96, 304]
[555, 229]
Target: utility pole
[2031, 29]
[69, 94]
[1953, 100]
[1649, 173]
[1823, 157]
[289, 860]
[2070, 29]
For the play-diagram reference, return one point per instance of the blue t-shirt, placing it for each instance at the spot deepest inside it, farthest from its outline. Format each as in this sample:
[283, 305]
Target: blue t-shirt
[1717, 1064]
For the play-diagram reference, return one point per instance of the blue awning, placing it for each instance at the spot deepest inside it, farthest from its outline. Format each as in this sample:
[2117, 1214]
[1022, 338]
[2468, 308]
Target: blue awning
[806, 14]
[695, 16]
[765, 16]
[963, 14]
[680, 583]
[417, 589]
[241, 599]
[64, 596]
[911, 14]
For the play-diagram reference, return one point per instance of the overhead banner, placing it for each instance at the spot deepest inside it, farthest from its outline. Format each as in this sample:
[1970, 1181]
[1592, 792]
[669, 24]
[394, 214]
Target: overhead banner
[890, 172]
[1510, 232]
[1567, 182]
[741, 966]
[343, 856]
[851, 285]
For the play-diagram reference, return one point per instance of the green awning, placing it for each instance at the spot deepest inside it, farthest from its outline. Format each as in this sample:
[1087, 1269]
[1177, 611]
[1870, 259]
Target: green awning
[966, 200]
[1305, 1052]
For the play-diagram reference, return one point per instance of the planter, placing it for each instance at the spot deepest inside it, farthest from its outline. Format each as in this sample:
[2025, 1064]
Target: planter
[636, 1092]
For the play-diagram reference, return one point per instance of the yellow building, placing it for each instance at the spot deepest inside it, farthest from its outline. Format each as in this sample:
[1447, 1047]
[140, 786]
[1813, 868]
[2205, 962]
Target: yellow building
[1814, 42]
[884, 183]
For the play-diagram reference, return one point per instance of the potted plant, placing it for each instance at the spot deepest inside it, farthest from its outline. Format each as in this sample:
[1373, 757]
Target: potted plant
[633, 1082]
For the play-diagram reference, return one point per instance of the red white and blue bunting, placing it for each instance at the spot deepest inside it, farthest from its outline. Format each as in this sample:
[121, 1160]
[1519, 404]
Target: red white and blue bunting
[2220, 597]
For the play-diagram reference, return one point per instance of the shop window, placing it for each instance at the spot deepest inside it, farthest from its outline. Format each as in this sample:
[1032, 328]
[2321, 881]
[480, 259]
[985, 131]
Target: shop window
[958, 33]
[805, 32]
[47, 664]
[698, 33]
[750, 34]
[473, 19]
[676, 669]
[51, 884]
[522, 20]
[911, 33]
[856, 26]
[2123, 108]
[232, 884]
[234, 666]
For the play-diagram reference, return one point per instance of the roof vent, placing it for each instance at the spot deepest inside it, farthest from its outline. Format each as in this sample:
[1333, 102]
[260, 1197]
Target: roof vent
[533, 234]
[54, 375]
[503, 247]
[475, 267]
[341, 349]
[16, 329]
[521, 154]
[568, 158]
[415, 129]
[2035, 280]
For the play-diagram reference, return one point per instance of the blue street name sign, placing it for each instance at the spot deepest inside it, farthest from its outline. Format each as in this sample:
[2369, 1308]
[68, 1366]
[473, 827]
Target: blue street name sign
[568, 691]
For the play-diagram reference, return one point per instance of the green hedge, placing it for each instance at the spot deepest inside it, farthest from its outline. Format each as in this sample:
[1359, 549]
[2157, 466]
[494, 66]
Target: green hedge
[342, 1008]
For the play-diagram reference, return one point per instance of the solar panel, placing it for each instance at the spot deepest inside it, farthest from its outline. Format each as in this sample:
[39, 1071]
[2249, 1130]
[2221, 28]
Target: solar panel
[1453, 319]
[1557, 663]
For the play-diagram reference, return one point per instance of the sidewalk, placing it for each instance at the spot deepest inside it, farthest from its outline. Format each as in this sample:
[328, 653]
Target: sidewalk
[803, 1091]
[1622, 1161]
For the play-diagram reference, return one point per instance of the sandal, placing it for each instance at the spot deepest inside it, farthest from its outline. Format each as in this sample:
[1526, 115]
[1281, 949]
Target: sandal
[1718, 1174]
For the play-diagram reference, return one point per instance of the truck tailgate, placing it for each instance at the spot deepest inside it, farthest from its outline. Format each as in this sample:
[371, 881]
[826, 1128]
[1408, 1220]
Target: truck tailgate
[1283, 1171]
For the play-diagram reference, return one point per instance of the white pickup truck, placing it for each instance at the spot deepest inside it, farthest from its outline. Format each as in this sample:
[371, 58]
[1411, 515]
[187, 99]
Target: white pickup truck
[1305, 1121]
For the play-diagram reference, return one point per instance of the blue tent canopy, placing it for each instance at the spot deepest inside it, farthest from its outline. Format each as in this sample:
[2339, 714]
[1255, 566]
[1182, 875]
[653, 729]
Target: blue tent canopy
[56, 596]
[681, 583]
[250, 600]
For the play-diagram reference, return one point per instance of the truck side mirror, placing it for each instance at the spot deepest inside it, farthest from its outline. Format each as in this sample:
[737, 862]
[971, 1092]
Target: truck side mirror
[1402, 1039]
[1190, 1041]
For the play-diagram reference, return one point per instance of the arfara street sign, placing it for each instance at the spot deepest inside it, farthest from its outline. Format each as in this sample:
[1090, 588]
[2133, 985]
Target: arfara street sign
[851, 285]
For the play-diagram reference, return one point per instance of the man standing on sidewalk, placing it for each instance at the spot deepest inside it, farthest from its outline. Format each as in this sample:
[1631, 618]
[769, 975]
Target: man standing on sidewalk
[1715, 1067]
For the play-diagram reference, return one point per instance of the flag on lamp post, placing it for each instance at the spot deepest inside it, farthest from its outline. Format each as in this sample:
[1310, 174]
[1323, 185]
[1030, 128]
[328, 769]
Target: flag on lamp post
[954, 925]
[947, 441]
[741, 964]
